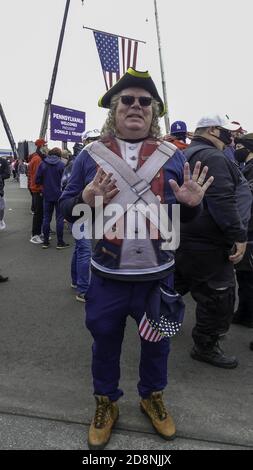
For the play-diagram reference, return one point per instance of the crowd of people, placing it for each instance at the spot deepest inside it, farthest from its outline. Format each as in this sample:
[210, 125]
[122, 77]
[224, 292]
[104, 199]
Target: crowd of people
[131, 165]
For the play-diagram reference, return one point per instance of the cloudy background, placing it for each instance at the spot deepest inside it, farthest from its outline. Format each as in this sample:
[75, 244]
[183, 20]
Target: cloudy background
[206, 47]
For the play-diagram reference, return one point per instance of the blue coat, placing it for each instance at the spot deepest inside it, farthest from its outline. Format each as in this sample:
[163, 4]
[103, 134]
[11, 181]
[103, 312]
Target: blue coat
[49, 174]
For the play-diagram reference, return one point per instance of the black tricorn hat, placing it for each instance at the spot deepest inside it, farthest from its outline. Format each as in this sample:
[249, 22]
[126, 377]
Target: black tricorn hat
[132, 78]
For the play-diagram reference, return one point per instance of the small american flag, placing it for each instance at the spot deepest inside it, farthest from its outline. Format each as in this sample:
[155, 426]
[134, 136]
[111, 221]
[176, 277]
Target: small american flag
[116, 55]
[147, 331]
[150, 330]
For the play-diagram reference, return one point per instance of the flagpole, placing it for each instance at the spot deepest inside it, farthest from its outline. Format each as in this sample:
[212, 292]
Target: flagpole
[8, 132]
[166, 116]
[44, 123]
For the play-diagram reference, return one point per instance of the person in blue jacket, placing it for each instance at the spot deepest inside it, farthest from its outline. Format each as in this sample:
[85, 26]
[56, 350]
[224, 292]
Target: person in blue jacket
[127, 271]
[80, 262]
[49, 175]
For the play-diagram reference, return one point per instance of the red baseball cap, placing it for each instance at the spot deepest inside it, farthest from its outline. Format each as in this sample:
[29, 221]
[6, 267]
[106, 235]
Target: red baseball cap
[40, 142]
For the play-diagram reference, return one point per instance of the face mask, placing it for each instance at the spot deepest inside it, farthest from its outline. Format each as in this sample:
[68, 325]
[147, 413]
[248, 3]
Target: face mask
[225, 136]
[241, 154]
[42, 151]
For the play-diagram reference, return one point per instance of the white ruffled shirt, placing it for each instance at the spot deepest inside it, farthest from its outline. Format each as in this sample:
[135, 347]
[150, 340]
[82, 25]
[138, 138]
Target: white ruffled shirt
[130, 152]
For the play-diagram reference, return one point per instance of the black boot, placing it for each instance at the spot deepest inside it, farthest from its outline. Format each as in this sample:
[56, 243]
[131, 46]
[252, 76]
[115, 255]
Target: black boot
[213, 354]
[3, 279]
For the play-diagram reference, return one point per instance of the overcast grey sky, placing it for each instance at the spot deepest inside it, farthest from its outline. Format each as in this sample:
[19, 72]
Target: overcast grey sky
[206, 47]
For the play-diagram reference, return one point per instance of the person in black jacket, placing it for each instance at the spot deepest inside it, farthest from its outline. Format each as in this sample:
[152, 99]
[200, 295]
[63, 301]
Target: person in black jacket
[244, 269]
[2, 204]
[211, 244]
[4, 169]
[4, 174]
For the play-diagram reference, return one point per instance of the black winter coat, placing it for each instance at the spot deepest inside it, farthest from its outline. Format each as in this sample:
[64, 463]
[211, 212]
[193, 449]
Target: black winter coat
[4, 170]
[1, 186]
[248, 173]
[219, 223]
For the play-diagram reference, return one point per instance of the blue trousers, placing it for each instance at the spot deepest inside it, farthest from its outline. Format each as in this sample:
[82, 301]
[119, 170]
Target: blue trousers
[80, 265]
[48, 209]
[108, 304]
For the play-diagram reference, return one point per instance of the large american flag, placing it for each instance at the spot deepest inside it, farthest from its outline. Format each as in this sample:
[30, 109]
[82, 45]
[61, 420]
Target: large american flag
[116, 55]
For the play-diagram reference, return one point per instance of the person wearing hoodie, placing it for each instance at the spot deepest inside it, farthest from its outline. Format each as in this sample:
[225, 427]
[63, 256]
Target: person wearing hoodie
[49, 175]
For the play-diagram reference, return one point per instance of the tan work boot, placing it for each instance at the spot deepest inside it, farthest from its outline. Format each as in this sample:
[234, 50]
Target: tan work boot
[106, 415]
[154, 408]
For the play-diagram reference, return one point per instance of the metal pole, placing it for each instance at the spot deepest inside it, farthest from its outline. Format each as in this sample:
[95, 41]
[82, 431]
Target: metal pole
[48, 102]
[8, 132]
[166, 116]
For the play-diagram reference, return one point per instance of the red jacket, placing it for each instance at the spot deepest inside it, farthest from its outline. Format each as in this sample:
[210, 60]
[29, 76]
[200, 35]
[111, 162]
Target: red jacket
[178, 143]
[32, 170]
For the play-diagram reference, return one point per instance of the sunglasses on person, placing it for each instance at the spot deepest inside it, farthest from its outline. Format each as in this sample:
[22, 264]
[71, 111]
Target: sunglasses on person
[128, 100]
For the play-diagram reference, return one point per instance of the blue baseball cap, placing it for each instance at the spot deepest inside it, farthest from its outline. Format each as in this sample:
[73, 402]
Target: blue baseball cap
[178, 127]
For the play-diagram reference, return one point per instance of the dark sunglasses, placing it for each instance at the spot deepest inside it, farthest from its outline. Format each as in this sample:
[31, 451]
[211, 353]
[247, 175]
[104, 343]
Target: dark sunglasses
[128, 100]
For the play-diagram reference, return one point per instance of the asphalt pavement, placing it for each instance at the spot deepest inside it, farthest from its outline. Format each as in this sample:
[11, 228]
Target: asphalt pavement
[46, 398]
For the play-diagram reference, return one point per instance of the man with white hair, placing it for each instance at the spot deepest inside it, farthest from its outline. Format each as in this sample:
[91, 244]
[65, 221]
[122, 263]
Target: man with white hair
[212, 243]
